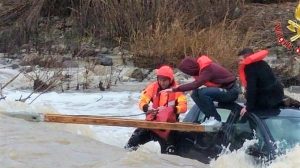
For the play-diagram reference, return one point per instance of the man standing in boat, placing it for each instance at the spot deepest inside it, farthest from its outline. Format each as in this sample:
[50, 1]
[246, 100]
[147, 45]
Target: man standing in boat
[162, 107]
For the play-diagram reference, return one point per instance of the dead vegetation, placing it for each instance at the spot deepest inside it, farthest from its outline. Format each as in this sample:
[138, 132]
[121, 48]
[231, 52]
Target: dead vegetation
[156, 31]
[220, 41]
[44, 79]
[90, 21]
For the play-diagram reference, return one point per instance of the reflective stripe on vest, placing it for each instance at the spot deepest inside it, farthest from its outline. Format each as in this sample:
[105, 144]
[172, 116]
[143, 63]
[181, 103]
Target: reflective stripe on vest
[258, 56]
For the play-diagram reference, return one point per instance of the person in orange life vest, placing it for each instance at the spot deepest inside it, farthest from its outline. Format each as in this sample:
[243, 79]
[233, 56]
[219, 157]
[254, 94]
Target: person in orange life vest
[166, 107]
[263, 90]
[220, 85]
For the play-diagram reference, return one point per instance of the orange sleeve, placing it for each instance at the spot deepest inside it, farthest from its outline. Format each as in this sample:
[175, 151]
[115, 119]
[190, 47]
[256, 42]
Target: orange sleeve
[146, 96]
[181, 102]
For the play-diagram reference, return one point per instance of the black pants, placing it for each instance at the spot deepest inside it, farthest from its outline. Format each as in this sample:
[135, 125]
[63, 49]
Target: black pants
[141, 136]
[204, 98]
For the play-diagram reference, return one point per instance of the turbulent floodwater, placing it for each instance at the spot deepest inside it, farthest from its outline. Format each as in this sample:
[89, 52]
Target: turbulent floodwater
[31, 144]
[38, 145]
[47, 145]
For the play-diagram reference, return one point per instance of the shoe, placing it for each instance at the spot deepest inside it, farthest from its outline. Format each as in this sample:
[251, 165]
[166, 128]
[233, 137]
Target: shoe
[211, 121]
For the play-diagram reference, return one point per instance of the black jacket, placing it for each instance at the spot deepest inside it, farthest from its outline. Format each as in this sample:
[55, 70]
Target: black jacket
[263, 90]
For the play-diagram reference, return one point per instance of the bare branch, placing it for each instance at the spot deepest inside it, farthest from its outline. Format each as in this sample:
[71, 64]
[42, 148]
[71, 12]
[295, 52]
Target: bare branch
[15, 77]
[99, 98]
[2, 97]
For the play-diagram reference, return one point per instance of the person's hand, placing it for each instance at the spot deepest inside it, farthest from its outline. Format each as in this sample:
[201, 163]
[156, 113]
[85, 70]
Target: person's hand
[243, 111]
[167, 90]
[153, 112]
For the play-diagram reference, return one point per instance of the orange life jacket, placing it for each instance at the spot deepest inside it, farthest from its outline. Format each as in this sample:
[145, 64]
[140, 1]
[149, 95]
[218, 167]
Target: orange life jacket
[204, 61]
[166, 114]
[162, 99]
[258, 56]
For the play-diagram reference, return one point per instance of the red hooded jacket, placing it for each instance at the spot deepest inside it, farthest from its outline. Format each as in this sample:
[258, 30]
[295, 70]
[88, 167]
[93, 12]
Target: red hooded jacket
[205, 72]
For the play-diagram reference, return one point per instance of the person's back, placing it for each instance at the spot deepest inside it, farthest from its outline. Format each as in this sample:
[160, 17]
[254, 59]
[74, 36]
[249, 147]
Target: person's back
[263, 72]
[220, 84]
[208, 73]
[268, 91]
[263, 90]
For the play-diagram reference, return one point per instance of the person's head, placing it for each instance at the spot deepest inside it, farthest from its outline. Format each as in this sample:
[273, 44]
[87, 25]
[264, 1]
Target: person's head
[189, 66]
[165, 76]
[245, 53]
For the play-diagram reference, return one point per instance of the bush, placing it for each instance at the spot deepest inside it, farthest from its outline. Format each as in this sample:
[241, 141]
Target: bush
[156, 31]
[270, 1]
[112, 18]
[221, 42]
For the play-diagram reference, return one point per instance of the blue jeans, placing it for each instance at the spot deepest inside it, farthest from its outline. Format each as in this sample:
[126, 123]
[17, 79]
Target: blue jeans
[205, 97]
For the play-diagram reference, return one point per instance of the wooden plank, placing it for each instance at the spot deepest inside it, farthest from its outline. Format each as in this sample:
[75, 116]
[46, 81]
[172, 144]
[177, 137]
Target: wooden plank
[111, 121]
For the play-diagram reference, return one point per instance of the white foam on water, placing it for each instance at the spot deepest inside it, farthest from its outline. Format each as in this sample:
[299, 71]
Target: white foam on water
[27, 144]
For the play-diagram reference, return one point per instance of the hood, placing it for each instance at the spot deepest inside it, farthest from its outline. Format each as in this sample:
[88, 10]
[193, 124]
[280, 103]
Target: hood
[165, 71]
[189, 66]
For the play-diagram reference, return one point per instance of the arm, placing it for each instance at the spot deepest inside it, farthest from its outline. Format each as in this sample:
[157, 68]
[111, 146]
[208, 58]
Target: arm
[181, 105]
[251, 87]
[204, 76]
[145, 98]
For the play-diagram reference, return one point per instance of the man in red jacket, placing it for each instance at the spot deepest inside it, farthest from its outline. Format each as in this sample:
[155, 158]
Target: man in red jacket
[220, 84]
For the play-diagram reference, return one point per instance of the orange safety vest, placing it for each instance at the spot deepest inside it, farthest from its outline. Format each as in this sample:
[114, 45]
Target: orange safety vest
[166, 114]
[204, 61]
[258, 56]
[162, 99]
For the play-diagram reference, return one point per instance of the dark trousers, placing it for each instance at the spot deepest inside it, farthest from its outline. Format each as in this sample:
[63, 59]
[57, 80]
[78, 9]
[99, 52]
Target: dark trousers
[141, 136]
[204, 98]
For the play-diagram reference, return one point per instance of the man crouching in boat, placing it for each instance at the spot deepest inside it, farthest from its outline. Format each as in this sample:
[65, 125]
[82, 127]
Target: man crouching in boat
[162, 107]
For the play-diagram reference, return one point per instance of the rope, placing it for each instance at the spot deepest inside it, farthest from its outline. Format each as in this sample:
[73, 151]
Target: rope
[132, 115]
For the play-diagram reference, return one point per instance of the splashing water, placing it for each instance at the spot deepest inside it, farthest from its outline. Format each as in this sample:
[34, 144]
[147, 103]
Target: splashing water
[237, 158]
[289, 160]
[144, 157]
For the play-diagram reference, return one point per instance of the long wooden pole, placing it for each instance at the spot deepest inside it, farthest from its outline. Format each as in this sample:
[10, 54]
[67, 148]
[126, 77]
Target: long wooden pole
[110, 121]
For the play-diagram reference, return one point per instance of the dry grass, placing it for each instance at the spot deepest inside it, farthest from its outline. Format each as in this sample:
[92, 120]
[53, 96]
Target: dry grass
[113, 18]
[157, 31]
[221, 41]
[271, 1]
